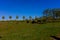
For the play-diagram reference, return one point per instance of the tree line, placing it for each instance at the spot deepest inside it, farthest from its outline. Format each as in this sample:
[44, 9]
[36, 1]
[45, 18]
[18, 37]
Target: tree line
[49, 15]
[52, 14]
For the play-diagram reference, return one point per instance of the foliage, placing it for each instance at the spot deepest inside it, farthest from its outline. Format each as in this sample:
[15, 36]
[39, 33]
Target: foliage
[17, 17]
[10, 17]
[23, 17]
[48, 15]
[30, 17]
[3, 17]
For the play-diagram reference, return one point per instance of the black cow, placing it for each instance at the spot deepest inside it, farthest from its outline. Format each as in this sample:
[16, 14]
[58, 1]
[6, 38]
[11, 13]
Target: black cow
[27, 21]
[39, 21]
[33, 22]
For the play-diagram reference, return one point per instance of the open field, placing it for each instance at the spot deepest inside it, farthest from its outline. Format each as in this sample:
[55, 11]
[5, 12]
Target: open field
[24, 31]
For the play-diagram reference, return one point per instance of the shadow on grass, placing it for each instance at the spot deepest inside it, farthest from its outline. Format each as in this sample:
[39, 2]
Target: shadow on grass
[55, 37]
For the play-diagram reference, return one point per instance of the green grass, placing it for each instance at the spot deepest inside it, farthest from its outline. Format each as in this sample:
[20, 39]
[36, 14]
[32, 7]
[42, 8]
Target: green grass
[24, 31]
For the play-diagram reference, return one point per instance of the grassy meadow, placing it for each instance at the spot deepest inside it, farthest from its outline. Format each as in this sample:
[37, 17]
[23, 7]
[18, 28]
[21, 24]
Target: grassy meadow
[28, 31]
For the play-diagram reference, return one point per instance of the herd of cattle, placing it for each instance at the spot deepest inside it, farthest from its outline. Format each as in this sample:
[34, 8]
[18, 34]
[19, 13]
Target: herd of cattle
[38, 21]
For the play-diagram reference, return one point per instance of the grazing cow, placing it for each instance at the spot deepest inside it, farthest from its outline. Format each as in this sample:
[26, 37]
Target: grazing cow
[27, 21]
[39, 21]
[55, 37]
[33, 22]
[44, 20]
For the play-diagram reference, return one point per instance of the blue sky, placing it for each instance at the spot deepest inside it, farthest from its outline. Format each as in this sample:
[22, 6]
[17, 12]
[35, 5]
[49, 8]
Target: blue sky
[26, 7]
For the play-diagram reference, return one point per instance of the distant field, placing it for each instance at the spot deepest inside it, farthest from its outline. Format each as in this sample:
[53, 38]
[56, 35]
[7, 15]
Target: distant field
[24, 31]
